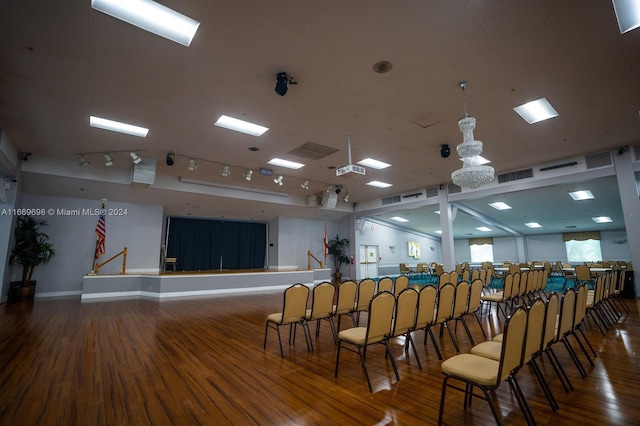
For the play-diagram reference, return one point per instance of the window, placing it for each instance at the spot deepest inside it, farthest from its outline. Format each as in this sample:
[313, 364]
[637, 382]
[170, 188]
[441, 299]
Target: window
[481, 253]
[583, 251]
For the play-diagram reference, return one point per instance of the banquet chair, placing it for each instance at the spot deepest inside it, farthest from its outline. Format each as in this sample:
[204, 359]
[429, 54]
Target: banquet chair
[500, 297]
[475, 303]
[366, 290]
[322, 307]
[583, 275]
[578, 320]
[377, 330]
[444, 309]
[569, 275]
[404, 269]
[294, 309]
[437, 270]
[460, 303]
[404, 320]
[487, 374]
[385, 284]
[425, 316]
[444, 278]
[345, 301]
[400, 284]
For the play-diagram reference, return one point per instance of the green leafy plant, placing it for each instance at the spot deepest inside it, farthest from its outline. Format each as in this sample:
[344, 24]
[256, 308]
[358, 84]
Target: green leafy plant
[32, 246]
[337, 248]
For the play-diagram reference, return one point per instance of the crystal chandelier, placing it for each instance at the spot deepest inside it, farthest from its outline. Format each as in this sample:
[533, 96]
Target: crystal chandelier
[472, 174]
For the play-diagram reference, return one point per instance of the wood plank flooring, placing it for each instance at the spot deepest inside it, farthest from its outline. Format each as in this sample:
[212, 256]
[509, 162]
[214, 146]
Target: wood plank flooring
[201, 362]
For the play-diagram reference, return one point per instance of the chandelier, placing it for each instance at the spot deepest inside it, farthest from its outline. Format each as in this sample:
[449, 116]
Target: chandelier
[472, 174]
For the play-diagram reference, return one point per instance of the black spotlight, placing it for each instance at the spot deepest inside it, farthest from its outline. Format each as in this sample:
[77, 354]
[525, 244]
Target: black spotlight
[170, 159]
[445, 151]
[338, 189]
[282, 80]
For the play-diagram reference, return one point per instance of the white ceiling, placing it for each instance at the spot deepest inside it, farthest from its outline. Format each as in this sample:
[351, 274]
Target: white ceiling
[61, 61]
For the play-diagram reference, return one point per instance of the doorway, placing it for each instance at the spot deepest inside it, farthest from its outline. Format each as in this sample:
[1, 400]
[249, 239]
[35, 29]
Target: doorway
[369, 261]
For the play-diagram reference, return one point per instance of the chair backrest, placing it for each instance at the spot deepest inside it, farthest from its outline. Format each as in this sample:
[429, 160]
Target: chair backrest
[515, 289]
[459, 268]
[522, 287]
[535, 329]
[583, 273]
[465, 275]
[385, 284]
[366, 290]
[581, 305]
[461, 299]
[508, 287]
[512, 343]
[426, 306]
[296, 298]
[404, 268]
[422, 268]
[567, 308]
[475, 274]
[532, 281]
[400, 284]
[322, 303]
[444, 278]
[446, 295]
[380, 315]
[346, 297]
[453, 277]
[551, 314]
[514, 268]
[475, 295]
[404, 319]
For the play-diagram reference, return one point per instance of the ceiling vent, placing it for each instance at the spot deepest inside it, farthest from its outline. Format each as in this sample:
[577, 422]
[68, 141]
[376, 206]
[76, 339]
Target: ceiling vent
[511, 176]
[432, 192]
[313, 151]
[454, 189]
[558, 166]
[391, 200]
[602, 159]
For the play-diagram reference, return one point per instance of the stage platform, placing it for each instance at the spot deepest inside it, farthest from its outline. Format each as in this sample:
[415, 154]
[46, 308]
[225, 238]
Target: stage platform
[185, 284]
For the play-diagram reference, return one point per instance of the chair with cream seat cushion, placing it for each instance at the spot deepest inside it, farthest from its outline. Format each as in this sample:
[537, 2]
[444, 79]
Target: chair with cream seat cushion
[385, 284]
[322, 307]
[487, 374]
[345, 301]
[366, 290]
[293, 312]
[404, 320]
[377, 330]
[400, 284]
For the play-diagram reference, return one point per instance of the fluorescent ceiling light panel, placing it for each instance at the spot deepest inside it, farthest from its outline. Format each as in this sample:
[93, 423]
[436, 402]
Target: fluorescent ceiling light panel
[240, 126]
[499, 205]
[535, 111]
[400, 219]
[379, 184]
[116, 126]
[581, 195]
[602, 219]
[628, 14]
[483, 229]
[285, 163]
[533, 225]
[152, 17]
[374, 164]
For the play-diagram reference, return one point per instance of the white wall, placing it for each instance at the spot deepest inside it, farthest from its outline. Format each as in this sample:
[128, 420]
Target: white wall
[138, 227]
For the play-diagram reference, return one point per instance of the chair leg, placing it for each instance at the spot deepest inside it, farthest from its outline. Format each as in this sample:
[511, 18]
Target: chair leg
[544, 385]
[557, 367]
[413, 345]
[453, 337]
[522, 401]
[480, 324]
[393, 360]
[584, 350]
[579, 328]
[364, 366]
[433, 340]
[574, 357]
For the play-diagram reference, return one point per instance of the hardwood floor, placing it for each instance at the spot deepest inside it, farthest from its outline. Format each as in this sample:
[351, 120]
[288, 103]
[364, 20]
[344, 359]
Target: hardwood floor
[201, 362]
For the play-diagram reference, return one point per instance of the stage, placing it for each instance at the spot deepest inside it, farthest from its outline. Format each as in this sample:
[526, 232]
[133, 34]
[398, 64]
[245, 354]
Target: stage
[185, 284]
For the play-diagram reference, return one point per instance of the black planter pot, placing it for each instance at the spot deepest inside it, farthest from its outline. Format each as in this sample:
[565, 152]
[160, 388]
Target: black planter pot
[20, 293]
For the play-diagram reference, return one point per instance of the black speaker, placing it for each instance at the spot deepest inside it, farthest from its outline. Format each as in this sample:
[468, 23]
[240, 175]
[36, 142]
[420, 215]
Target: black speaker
[281, 83]
[170, 159]
[445, 151]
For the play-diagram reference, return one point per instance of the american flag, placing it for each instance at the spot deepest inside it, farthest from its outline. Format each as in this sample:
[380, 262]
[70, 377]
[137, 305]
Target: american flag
[101, 234]
[324, 242]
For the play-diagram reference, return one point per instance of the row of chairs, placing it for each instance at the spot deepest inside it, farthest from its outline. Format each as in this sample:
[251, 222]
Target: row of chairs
[519, 288]
[528, 334]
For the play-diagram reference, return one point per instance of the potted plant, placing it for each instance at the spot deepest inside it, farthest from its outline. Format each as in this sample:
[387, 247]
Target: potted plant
[32, 248]
[337, 248]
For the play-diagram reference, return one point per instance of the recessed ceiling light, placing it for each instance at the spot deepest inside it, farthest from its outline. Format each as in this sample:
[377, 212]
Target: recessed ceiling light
[581, 195]
[499, 205]
[602, 219]
[375, 164]
[116, 126]
[484, 229]
[152, 17]
[628, 14]
[535, 111]
[240, 126]
[379, 184]
[285, 163]
[400, 219]
[533, 225]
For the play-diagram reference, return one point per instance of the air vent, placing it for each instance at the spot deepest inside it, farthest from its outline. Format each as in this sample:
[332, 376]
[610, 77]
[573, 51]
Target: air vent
[313, 151]
[453, 189]
[391, 200]
[602, 159]
[558, 166]
[520, 174]
[432, 192]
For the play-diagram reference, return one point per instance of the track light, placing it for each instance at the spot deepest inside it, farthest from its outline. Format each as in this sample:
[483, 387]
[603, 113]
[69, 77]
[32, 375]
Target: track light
[305, 185]
[83, 161]
[192, 164]
[107, 160]
[248, 175]
[170, 158]
[445, 151]
[338, 189]
[135, 157]
[279, 180]
[346, 198]
[282, 79]
[225, 171]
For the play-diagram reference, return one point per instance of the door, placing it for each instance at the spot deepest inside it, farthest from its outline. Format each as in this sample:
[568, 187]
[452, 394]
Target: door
[368, 261]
